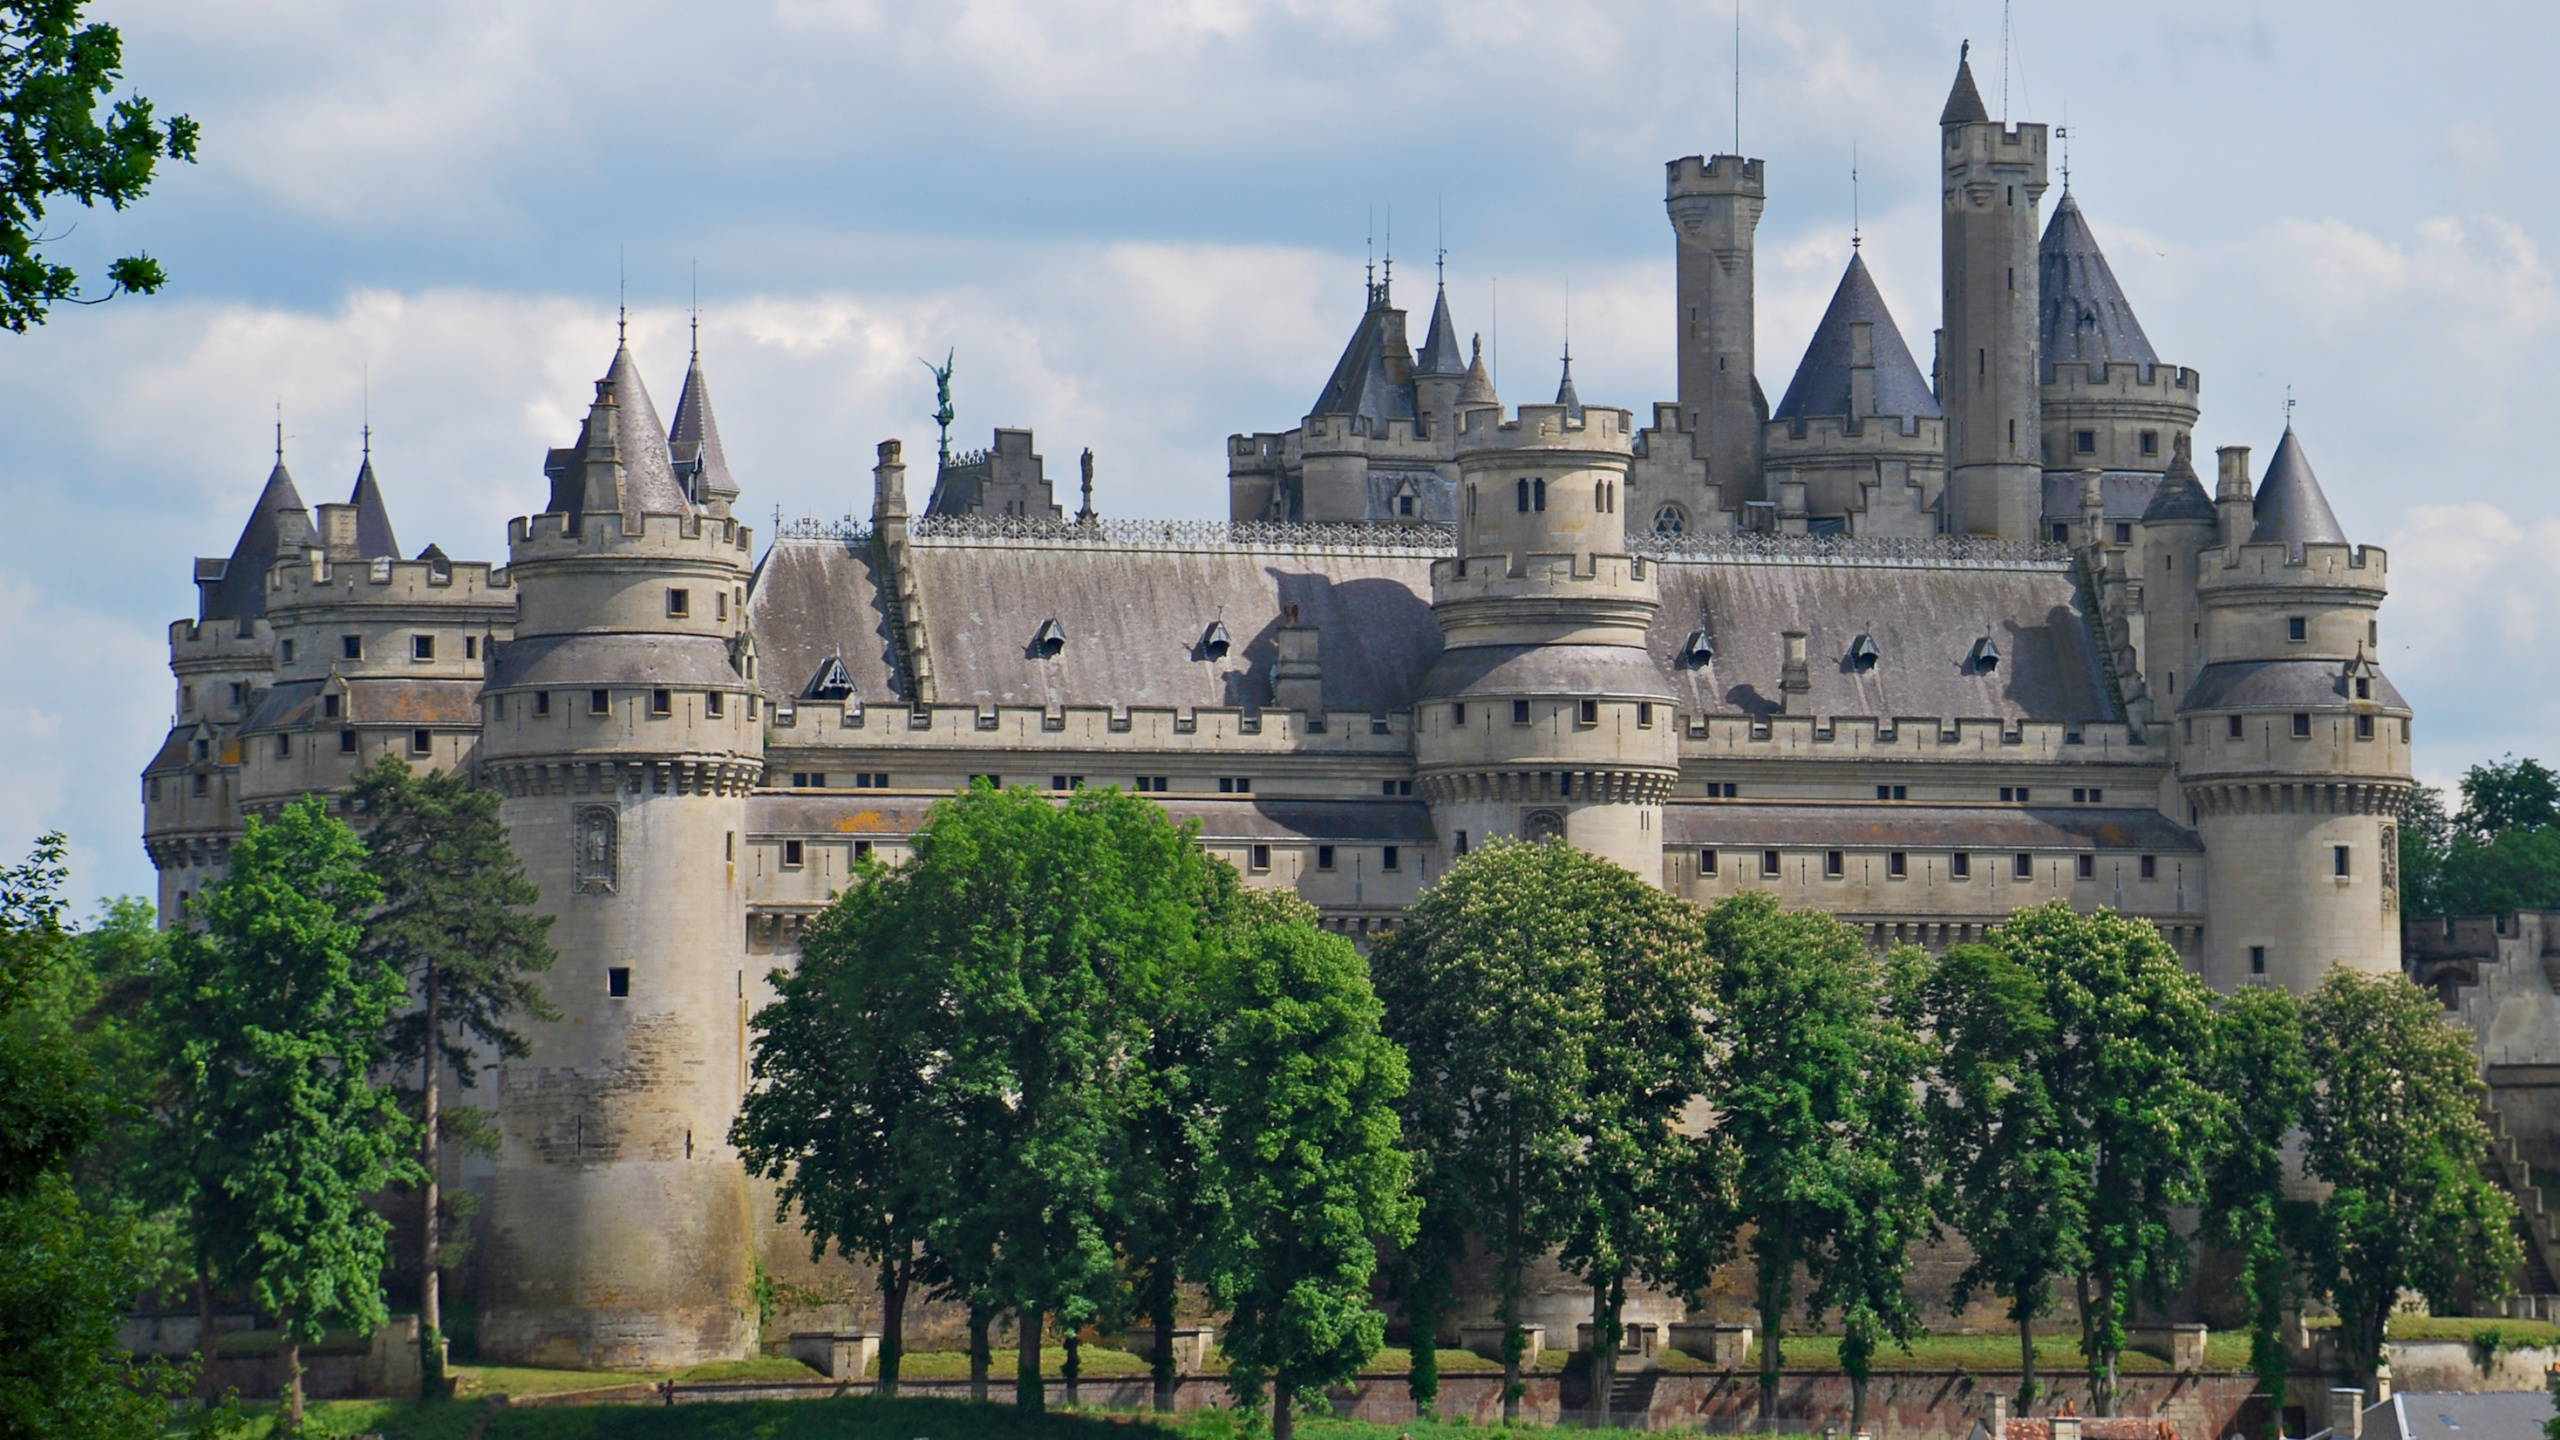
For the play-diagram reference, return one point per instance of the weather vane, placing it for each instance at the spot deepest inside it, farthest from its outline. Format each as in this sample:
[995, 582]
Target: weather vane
[943, 412]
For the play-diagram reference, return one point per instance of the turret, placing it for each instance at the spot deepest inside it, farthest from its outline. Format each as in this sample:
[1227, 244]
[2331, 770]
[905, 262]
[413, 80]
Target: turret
[1715, 205]
[1369, 398]
[2108, 401]
[621, 726]
[1994, 175]
[1859, 428]
[1440, 371]
[1546, 716]
[2294, 748]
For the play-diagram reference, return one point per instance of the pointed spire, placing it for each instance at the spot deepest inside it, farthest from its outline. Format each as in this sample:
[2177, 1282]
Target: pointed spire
[1565, 397]
[279, 524]
[1479, 387]
[2181, 496]
[374, 540]
[1440, 343]
[2086, 316]
[620, 461]
[2290, 507]
[1373, 381]
[1964, 102]
[1823, 383]
[694, 441]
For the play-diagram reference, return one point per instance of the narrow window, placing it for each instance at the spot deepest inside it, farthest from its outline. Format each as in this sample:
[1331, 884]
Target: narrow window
[1959, 866]
[599, 702]
[713, 704]
[200, 786]
[2257, 959]
[346, 742]
[2022, 866]
[2124, 533]
[2088, 867]
[422, 742]
[288, 651]
[1458, 713]
[422, 647]
[1644, 714]
[1600, 496]
[662, 702]
[2364, 727]
[880, 780]
[2150, 867]
[2297, 627]
[1590, 712]
[1459, 849]
[2013, 432]
[1706, 862]
[720, 606]
[617, 982]
[541, 702]
[1831, 864]
[328, 707]
[1769, 864]
[861, 849]
[1897, 866]
[1261, 857]
[1404, 505]
[1538, 495]
[2061, 533]
[2338, 861]
[1391, 858]
[729, 846]
[2364, 688]
[794, 854]
[470, 647]
[1324, 857]
[1519, 712]
[1981, 362]
[2301, 725]
[2233, 728]
[187, 695]
[1523, 488]
[2150, 442]
[351, 647]
[284, 746]
[679, 603]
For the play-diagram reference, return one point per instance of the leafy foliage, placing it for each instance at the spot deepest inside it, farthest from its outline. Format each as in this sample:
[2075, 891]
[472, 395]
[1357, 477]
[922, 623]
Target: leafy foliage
[276, 1020]
[2258, 1067]
[2393, 1127]
[1305, 1172]
[2500, 854]
[53, 71]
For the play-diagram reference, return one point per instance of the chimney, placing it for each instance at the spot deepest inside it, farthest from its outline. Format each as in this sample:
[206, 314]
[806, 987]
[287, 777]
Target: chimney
[338, 533]
[2065, 1426]
[889, 487]
[2346, 1412]
[2093, 507]
[1995, 1417]
[1297, 682]
[2232, 502]
[1795, 684]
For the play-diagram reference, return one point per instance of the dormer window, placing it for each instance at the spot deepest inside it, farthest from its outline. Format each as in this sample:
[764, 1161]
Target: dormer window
[2364, 688]
[1700, 649]
[1404, 506]
[328, 707]
[1049, 639]
[1215, 642]
[1985, 656]
[1862, 654]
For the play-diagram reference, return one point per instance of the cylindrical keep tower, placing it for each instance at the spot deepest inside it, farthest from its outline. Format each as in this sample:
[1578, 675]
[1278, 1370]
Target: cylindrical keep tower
[621, 727]
[1546, 716]
[2294, 749]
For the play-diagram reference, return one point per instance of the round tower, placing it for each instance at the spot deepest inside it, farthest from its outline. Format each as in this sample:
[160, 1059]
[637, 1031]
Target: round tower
[1993, 176]
[1546, 715]
[2293, 748]
[620, 724]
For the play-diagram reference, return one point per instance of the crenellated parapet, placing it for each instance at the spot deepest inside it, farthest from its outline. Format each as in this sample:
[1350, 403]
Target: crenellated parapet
[716, 775]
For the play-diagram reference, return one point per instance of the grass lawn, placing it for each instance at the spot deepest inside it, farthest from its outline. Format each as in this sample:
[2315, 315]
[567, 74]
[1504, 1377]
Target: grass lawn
[2511, 1333]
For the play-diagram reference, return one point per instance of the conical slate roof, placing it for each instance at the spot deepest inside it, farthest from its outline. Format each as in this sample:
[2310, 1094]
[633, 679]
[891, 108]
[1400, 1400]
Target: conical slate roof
[1565, 397]
[1821, 386]
[2086, 316]
[639, 441]
[694, 443]
[236, 589]
[1479, 387]
[2181, 495]
[1964, 102]
[2290, 507]
[374, 540]
[1440, 355]
[1373, 381]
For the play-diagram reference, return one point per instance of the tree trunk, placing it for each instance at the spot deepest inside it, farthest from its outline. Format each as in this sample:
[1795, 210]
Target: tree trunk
[1857, 1404]
[2100, 1326]
[981, 1354]
[1776, 1278]
[894, 1280]
[292, 1380]
[1030, 1392]
[1514, 1340]
[1284, 1422]
[430, 1289]
[1604, 1348]
[1168, 1376]
[1423, 1381]
[1073, 1370]
[2026, 1363]
[204, 1327]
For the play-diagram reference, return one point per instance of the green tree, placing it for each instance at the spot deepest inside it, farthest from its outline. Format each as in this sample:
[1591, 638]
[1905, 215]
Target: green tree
[53, 72]
[2509, 794]
[1887, 1180]
[2393, 1128]
[1808, 1103]
[2500, 854]
[1047, 924]
[454, 924]
[1304, 1169]
[280, 1020]
[2258, 1067]
[2085, 1036]
[2426, 837]
[842, 1114]
[67, 1270]
[1492, 990]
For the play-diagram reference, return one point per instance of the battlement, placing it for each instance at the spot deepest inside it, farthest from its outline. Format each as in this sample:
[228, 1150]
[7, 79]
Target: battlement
[1956, 739]
[1602, 429]
[2272, 564]
[1715, 175]
[1345, 433]
[1543, 572]
[317, 580]
[555, 536]
[217, 641]
[1990, 140]
[2174, 384]
[1856, 434]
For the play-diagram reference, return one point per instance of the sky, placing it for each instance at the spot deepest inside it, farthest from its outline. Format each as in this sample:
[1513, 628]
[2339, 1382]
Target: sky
[1141, 227]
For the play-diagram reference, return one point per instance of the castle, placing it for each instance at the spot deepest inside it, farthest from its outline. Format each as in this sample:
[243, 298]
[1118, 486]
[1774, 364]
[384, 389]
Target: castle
[1914, 649]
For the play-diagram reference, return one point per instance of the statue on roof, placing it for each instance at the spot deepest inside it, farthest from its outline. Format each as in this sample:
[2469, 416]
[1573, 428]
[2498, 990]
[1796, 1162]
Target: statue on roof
[943, 413]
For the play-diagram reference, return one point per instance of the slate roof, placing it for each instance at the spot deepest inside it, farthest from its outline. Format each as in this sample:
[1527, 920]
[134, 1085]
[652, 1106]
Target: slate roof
[2279, 685]
[374, 540]
[649, 485]
[2180, 496]
[2123, 494]
[815, 601]
[1964, 102]
[453, 702]
[236, 589]
[1479, 387]
[1795, 824]
[2452, 1415]
[872, 815]
[584, 661]
[1373, 380]
[2086, 316]
[1440, 354]
[1923, 619]
[1565, 395]
[1821, 386]
[693, 443]
[2290, 507]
